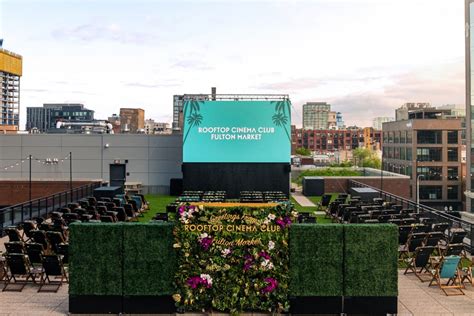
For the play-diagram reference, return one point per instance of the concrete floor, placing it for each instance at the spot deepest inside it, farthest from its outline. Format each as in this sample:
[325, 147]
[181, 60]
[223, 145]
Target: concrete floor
[415, 298]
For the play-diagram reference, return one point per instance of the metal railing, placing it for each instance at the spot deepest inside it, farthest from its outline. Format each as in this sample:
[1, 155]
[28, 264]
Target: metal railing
[426, 211]
[15, 214]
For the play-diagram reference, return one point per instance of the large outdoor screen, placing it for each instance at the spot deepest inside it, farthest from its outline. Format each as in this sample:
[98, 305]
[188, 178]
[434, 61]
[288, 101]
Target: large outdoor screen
[237, 131]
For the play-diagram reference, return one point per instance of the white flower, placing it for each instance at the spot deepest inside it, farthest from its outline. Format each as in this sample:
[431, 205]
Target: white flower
[270, 266]
[271, 245]
[294, 213]
[225, 252]
[201, 207]
[264, 263]
[206, 277]
[266, 221]
[203, 235]
[271, 216]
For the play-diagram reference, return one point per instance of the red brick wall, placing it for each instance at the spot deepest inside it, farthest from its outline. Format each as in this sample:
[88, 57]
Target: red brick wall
[397, 186]
[15, 192]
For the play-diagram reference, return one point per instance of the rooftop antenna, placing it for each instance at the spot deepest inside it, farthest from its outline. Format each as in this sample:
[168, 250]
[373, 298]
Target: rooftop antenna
[1, 42]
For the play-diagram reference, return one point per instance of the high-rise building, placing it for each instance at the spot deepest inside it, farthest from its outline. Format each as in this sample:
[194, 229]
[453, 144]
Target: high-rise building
[318, 115]
[402, 112]
[339, 121]
[428, 148]
[378, 121]
[132, 120]
[11, 69]
[46, 118]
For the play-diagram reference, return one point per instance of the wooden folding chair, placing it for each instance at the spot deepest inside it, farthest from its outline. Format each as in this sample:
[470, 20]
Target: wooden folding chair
[421, 260]
[20, 271]
[448, 269]
[53, 267]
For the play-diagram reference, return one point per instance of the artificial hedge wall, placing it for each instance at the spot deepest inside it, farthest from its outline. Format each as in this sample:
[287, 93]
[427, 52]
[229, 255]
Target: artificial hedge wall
[370, 260]
[149, 259]
[95, 262]
[316, 260]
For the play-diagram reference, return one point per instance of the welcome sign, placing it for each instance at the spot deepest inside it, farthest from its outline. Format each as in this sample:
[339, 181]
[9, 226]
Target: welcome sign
[237, 131]
[232, 259]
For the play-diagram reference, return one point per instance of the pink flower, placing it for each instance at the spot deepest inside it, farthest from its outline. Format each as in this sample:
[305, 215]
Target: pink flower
[272, 284]
[206, 243]
[265, 255]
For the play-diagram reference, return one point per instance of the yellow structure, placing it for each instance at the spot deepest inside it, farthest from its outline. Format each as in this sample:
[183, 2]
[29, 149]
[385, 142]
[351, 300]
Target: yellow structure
[11, 69]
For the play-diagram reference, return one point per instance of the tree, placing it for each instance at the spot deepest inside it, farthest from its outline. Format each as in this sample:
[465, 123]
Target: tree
[364, 157]
[303, 151]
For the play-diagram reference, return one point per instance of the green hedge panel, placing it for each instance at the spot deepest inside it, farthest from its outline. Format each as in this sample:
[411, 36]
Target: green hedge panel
[95, 266]
[149, 259]
[316, 260]
[370, 260]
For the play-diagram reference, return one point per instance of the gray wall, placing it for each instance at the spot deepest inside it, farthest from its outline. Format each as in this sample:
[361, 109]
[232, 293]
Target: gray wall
[152, 159]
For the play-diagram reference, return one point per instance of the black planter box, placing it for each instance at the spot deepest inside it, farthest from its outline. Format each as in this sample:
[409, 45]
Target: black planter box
[95, 304]
[148, 305]
[316, 305]
[371, 305]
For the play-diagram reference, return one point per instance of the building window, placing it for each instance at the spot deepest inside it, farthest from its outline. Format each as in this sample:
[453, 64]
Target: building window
[431, 192]
[429, 137]
[430, 173]
[453, 173]
[452, 154]
[428, 154]
[409, 137]
[403, 153]
[385, 137]
[396, 153]
[453, 192]
[390, 137]
[403, 137]
[452, 137]
[396, 138]
[409, 156]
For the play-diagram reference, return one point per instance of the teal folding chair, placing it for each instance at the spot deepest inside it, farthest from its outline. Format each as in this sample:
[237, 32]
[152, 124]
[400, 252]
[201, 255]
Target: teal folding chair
[448, 270]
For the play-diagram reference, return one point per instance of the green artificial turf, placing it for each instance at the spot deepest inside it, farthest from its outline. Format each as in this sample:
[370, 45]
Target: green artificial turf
[317, 199]
[321, 219]
[157, 205]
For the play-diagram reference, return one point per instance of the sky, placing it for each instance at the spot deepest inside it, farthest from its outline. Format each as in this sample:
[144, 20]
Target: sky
[364, 57]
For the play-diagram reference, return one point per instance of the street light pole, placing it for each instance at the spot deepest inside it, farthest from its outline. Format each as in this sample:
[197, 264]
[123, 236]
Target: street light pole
[30, 175]
[381, 176]
[70, 173]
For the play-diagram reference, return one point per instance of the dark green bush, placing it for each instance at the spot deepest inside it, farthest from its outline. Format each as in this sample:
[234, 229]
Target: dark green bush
[149, 259]
[370, 260]
[316, 259]
[95, 266]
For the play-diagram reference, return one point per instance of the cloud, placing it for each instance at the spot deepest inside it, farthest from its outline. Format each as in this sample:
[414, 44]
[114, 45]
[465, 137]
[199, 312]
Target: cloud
[151, 86]
[312, 83]
[35, 90]
[99, 32]
[438, 85]
[194, 64]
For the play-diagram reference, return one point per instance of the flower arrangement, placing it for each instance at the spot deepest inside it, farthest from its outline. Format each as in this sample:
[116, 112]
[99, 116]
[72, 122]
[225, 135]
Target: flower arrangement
[232, 260]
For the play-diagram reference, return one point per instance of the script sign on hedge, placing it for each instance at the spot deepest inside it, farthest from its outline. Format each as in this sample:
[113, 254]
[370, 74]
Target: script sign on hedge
[237, 131]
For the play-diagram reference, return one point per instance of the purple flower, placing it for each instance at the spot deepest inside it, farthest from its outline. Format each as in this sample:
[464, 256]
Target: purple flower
[264, 255]
[206, 243]
[247, 265]
[272, 284]
[280, 223]
[287, 221]
[181, 210]
[194, 281]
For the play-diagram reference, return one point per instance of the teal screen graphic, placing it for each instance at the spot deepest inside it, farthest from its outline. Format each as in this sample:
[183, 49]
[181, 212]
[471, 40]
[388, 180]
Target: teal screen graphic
[237, 131]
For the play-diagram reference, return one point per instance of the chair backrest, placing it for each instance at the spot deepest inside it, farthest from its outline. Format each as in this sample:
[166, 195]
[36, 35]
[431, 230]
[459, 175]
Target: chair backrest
[422, 255]
[325, 199]
[52, 265]
[63, 249]
[106, 219]
[415, 241]
[421, 228]
[121, 215]
[457, 237]
[39, 236]
[117, 201]
[28, 226]
[13, 234]
[138, 200]
[18, 264]
[403, 232]
[433, 238]
[449, 267]
[34, 251]
[15, 247]
[454, 250]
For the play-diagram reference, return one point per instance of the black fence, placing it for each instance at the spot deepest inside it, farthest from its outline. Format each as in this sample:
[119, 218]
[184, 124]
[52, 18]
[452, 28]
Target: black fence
[13, 215]
[453, 218]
